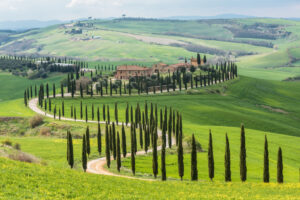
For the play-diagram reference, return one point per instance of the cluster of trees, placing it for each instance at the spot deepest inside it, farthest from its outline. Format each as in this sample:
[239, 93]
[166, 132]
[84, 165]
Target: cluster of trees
[18, 66]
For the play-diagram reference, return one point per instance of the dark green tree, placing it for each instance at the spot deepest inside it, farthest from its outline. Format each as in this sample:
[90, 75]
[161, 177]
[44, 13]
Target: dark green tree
[154, 155]
[116, 112]
[107, 146]
[84, 156]
[194, 170]
[88, 146]
[180, 157]
[266, 162]
[163, 163]
[243, 167]
[211, 163]
[124, 149]
[99, 139]
[279, 166]
[227, 161]
[132, 154]
[70, 150]
[118, 153]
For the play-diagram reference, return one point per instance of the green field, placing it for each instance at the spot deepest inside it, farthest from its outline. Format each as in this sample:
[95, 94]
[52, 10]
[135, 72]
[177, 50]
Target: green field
[258, 98]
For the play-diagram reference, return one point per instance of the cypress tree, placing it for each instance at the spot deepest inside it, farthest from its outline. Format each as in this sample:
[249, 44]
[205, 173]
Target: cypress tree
[154, 155]
[180, 157]
[71, 154]
[163, 163]
[114, 141]
[99, 139]
[118, 153]
[124, 150]
[243, 167]
[194, 170]
[107, 148]
[141, 135]
[170, 129]
[227, 161]
[116, 112]
[49, 105]
[84, 157]
[25, 98]
[266, 162]
[74, 113]
[63, 108]
[108, 115]
[98, 115]
[127, 114]
[54, 90]
[88, 146]
[132, 155]
[211, 164]
[59, 114]
[62, 90]
[103, 112]
[279, 166]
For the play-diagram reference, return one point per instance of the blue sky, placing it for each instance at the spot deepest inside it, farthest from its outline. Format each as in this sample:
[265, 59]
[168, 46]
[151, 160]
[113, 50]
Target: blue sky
[71, 9]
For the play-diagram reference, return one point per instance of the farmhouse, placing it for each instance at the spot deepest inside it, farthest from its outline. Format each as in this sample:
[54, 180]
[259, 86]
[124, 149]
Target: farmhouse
[127, 71]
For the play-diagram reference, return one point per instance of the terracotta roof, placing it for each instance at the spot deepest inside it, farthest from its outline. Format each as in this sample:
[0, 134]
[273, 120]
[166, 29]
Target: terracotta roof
[132, 68]
[179, 65]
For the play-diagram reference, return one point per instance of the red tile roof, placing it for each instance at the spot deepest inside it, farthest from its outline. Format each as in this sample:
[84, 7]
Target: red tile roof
[132, 68]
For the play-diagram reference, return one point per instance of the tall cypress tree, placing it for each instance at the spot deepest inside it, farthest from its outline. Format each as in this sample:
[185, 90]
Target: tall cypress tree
[141, 135]
[132, 154]
[98, 115]
[63, 108]
[266, 162]
[118, 153]
[227, 161]
[127, 114]
[108, 115]
[180, 157]
[243, 167]
[170, 129]
[99, 139]
[86, 114]
[114, 141]
[103, 112]
[81, 113]
[107, 148]
[211, 164]
[279, 166]
[194, 170]
[88, 146]
[84, 157]
[124, 149]
[154, 155]
[163, 163]
[116, 112]
[70, 150]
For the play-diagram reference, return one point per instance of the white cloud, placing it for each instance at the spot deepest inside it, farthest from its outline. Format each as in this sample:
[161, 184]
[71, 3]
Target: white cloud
[74, 3]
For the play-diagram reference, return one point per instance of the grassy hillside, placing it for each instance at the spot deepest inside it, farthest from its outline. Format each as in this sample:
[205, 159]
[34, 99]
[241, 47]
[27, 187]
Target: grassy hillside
[50, 183]
[261, 50]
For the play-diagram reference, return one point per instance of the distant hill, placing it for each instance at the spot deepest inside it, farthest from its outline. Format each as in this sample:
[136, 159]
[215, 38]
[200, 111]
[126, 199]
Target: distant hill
[26, 24]
[222, 16]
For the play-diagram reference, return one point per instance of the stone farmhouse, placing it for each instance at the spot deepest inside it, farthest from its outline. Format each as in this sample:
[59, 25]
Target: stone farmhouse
[127, 71]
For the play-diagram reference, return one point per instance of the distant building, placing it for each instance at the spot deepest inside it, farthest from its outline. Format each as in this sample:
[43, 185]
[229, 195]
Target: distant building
[159, 67]
[194, 62]
[127, 71]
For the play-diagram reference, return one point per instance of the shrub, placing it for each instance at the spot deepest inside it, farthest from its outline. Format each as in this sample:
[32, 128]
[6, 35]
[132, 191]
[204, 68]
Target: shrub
[36, 121]
[45, 131]
[17, 146]
[7, 142]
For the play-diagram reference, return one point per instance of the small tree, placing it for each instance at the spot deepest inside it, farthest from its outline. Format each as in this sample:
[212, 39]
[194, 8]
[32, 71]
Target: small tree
[194, 170]
[124, 150]
[211, 165]
[132, 155]
[118, 153]
[279, 166]
[227, 161]
[266, 162]
[107, 146]
[84, 157]
[70, 150]
[99, 139]
[243, 167]
[154, 155]
[116, 112]
[163, 163]
[88, 146]
[180, 157]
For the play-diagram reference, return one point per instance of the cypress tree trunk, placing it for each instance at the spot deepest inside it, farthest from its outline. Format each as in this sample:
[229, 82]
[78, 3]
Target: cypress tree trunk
[107, 148]
[180, 158]
[279, 166]
[194, 170]
[266, 162]
[84, 158]
[88, 147]
[163, 163]
[243, 167]
[118, 153]
[99, 139]
[124, 149]
[227, 161]
[211, 164]
[154, 156]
